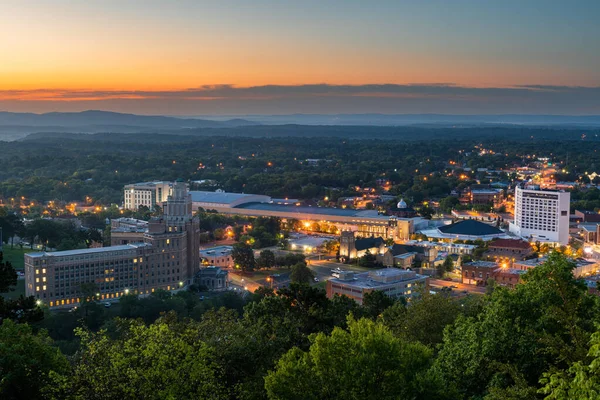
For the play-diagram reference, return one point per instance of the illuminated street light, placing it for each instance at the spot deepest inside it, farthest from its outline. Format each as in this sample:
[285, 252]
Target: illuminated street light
[39, 303]
[126, 291]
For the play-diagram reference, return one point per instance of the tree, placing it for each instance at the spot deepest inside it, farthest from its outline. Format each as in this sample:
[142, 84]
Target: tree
[243, 256]
[447, 204]
[390, 368]
[301, 273]
[368, 260]
[448, 264]
[441, 270]
[375, 302]
[161, 361]
[266, 259]
[27, 361]
[580, 381]
[425, 319]
[543, 324]
[8, 275]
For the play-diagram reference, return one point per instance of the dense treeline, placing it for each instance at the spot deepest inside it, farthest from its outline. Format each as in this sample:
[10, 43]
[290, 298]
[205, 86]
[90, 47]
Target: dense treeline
[539, 340]
[68, 168]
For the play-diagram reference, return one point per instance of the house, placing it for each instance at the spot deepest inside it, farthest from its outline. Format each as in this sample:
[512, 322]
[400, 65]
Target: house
[213, 278]
[219, 256]
[403, 256]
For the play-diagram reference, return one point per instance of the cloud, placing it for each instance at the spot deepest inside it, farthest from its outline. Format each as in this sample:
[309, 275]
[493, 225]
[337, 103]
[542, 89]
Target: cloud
[318, 98]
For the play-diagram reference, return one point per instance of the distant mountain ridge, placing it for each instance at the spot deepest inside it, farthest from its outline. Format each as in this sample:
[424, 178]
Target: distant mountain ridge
[423, 119]
[106, 118]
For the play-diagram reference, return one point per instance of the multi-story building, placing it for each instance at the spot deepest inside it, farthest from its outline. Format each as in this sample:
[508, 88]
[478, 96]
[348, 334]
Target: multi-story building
[478, 272]
[393, 282]
[483, 194]
[127, 230]
[541, 215]
[509, 249]
[146, 194]
[166, 257]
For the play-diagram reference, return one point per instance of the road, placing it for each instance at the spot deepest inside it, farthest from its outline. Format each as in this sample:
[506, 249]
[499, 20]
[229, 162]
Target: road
[458, 287]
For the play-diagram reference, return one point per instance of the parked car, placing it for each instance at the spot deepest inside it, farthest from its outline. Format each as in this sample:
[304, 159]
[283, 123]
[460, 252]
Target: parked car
[316, 279]
[107, 305]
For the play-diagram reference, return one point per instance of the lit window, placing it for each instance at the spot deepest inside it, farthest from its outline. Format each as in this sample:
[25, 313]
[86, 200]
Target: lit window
[44, 287]
[43, 270]
[44, 279]
[37, 280]
[37, 288]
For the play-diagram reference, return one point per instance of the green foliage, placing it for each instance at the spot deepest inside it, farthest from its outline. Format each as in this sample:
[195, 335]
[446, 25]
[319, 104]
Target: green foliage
[448, 264]
[8, 275]
[161, 361]
[424, 320]
[266, 259]
[580, 381]
[365, 362]
[243, 256]
[368, 260]
[375, 302]
[27, 361]
[541, 325]
[301, 273]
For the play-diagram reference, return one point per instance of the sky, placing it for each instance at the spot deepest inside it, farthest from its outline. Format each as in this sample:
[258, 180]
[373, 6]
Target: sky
[196, 57]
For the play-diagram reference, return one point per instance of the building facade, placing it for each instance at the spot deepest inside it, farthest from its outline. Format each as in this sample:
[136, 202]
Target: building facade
[213, 278]
[219, 256]
[541, 215]
[147, 194]
[166, 258]
[394, 282]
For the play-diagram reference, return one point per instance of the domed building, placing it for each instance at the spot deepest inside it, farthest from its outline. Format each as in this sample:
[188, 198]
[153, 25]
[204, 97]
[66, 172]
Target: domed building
[402, 210]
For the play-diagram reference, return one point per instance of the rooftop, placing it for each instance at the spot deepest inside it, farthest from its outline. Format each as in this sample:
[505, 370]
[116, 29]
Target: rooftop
[147, 184]
[481, 264]
[368, 243]
[216, 250]
[130, 246]
[220, 197]
[510, 243]
[341, 212]
[380, 278]
[471, 228]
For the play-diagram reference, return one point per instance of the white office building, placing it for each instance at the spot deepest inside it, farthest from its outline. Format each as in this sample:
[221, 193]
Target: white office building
[146, 194]
[541, 215]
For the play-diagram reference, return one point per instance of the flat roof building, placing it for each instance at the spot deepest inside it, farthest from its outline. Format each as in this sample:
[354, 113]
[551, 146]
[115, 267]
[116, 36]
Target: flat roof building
[365, 222]
[147, 194]
[394, 282]
[542, 215]
[166, 258]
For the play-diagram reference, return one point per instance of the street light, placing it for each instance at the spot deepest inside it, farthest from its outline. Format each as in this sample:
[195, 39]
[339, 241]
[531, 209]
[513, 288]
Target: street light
[38, 303]
[126, 291]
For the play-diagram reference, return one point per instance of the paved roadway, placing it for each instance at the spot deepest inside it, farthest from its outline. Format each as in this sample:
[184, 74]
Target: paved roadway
[458, 287]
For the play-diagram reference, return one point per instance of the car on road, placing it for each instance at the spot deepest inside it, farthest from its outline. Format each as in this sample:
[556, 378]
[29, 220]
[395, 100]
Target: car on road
[316, 279]
[107, 305]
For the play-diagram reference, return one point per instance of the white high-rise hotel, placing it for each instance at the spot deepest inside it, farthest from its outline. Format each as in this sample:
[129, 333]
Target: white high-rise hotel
[542, 215]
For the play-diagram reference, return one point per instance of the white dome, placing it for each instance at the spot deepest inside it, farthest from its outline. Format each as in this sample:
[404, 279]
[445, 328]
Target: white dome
[401, 204]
